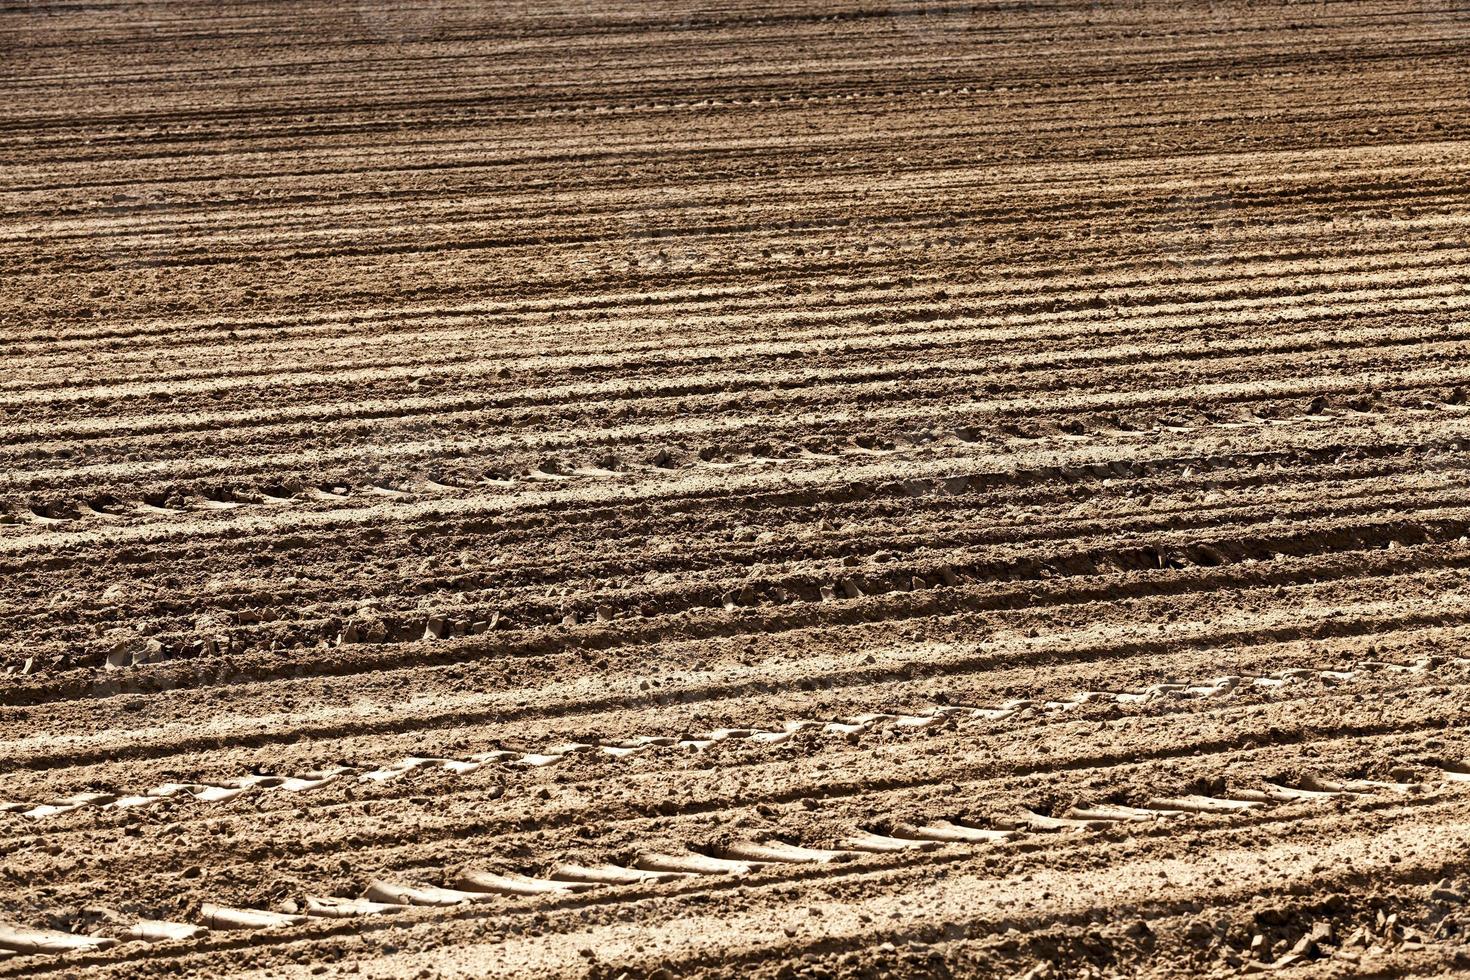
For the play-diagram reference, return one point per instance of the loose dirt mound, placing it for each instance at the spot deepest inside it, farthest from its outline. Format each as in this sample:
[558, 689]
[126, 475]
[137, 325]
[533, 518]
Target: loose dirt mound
[691, 489]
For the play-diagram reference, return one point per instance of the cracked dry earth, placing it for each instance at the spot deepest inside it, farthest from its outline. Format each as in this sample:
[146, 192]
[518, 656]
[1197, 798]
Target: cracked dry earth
[691, 489]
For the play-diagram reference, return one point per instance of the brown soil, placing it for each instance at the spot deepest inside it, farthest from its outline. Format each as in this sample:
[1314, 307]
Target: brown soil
[1014, 453]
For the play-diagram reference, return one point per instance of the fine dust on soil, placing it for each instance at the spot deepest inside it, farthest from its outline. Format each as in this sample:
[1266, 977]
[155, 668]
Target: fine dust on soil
[832, 488]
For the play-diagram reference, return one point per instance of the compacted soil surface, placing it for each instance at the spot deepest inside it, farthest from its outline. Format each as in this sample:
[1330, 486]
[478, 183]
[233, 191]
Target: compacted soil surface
[700, 488]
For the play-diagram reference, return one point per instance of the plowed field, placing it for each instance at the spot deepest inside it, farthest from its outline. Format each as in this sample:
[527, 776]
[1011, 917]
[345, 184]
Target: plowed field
[661, 489]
